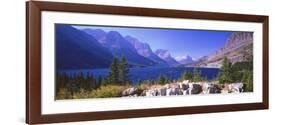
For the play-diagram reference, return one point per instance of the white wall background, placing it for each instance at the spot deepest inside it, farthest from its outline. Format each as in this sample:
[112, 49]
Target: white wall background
[12, 63]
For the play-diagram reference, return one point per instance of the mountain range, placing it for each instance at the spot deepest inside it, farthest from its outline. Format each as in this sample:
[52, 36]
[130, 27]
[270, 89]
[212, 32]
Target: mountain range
[95, 48]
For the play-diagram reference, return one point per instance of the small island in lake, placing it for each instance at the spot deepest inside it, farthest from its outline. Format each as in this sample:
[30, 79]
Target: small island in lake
[107, 62]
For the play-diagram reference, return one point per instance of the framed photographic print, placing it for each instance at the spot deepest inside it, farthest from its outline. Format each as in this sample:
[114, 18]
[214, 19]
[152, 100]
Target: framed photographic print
[93, 62]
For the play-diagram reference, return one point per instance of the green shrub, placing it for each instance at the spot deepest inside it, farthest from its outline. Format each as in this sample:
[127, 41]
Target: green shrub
[162, 79]
[108, 91]
[247, 79]
[226, 73]
[240, 68]
[186, 75]
[81, 94]
[63, 93]
[197, 77]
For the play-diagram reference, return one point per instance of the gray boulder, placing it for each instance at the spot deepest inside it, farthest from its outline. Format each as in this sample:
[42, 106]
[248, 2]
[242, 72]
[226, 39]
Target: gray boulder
[162, 91]
[196, 89]
[131, 92]
[176, 91]
[184, 86]
[151, 92]
[143, 93]
[185, 92]
[236, 87]
[213, 89]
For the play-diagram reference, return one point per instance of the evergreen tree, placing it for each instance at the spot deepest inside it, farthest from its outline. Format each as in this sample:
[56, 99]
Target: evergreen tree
[72, 87]
[92, 82]
[226, 74]
[104, 81]
[139, 82]
[124, 71]
[239, 69]
[89, 82]
[114, 72]
[167, 80]
[107, 80]
[99, 82]
[247, 79]
[197, 76]
[187, 75]
[161, 80]
[61, 80]
[79, 81]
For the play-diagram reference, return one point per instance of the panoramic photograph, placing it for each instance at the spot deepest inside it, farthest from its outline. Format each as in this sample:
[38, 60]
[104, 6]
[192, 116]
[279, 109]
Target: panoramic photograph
[94, 61]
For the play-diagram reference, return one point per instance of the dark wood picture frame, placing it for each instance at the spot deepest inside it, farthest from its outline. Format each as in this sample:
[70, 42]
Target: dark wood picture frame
[33, 61]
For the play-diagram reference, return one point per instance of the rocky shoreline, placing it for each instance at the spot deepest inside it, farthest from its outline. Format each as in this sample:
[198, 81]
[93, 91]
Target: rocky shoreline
[182, 88]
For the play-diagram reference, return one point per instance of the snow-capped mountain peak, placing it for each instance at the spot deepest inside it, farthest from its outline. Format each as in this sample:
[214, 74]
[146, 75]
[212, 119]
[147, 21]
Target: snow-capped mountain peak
[184, 59]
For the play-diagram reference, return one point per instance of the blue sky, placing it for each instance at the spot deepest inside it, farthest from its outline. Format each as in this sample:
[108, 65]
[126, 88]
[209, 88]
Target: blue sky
[180, 42]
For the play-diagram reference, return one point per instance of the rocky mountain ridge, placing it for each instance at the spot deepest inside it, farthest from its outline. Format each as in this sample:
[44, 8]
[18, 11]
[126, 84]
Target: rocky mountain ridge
[145, 50]
[238, 48]
[165, 55]
[120, 45]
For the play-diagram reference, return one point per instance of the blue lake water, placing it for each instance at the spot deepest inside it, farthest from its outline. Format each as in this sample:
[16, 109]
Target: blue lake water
[149, 73]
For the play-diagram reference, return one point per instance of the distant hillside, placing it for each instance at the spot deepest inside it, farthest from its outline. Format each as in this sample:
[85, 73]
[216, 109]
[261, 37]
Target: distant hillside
[77, 50]
[238, 48]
